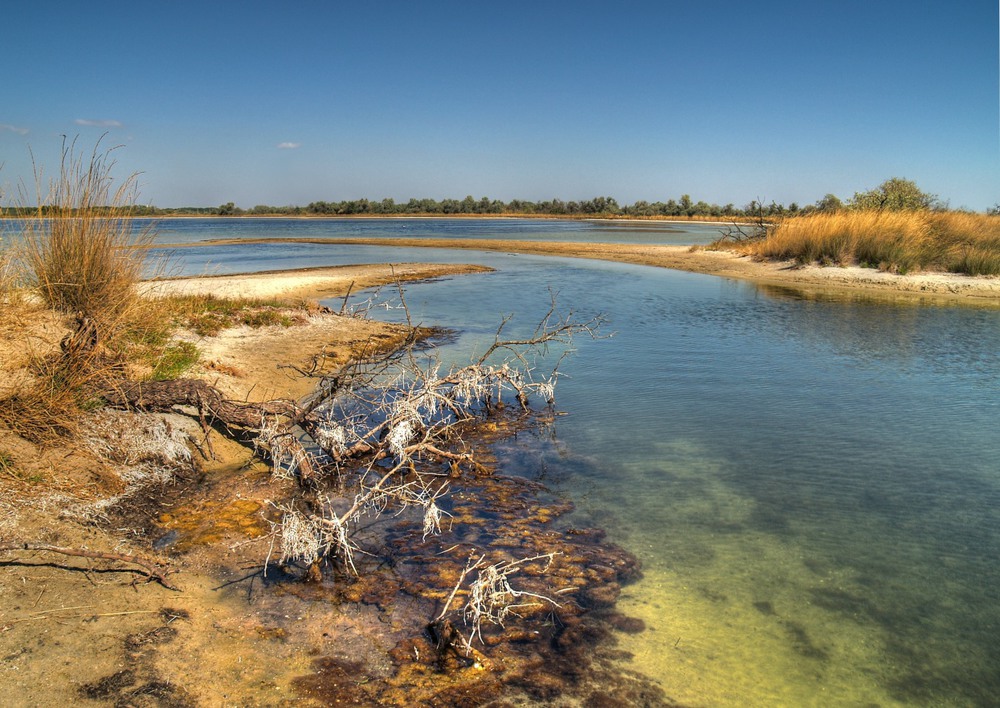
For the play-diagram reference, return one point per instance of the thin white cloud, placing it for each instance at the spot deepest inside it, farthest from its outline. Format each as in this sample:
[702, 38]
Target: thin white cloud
[98, 123]
[289, 146]
[14, 129]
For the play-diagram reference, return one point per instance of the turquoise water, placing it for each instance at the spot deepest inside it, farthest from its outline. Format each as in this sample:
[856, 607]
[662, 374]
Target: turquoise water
[813, 486]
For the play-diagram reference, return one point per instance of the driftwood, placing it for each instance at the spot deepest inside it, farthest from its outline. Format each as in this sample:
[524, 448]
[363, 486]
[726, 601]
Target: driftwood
[211, 407]
[453, 649]
[167, 396]
[150, 570]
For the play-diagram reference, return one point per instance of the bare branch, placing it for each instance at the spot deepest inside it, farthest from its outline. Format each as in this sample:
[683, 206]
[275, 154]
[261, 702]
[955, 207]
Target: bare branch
[150, 570]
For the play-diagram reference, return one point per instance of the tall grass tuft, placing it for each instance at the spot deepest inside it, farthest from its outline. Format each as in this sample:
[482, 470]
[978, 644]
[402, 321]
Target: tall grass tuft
[78, 252]
[11, 299]
[79, 248]
[969, 243]
[898, 242]
[7, 289]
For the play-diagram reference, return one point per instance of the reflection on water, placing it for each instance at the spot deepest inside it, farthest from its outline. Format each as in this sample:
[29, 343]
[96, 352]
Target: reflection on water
[813, 486]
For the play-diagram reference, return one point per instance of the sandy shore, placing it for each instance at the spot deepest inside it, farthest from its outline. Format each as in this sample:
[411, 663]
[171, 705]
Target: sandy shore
[230, 636]
[215, 649]
[258, 364]
[306, 283]
[853, 282]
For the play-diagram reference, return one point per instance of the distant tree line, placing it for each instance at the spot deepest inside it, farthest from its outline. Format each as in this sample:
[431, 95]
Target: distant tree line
[685, 207]
[894, 194]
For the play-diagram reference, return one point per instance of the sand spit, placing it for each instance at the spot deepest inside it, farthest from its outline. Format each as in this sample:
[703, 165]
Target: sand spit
[810, 281]
[306, 283]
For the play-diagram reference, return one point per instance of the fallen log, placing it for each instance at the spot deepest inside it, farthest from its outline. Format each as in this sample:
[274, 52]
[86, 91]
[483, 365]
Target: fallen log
[168, 396]
[211, 406]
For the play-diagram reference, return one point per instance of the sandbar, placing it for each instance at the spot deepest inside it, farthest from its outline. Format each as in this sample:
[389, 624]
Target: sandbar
[808, 280]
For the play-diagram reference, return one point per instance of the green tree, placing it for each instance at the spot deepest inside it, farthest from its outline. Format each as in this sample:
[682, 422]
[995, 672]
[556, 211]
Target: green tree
[386, 206]
[831, 202]
[895, 194]
[700, 208]
[320, 208]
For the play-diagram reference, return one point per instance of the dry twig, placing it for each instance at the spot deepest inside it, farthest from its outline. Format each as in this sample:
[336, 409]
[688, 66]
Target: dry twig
[151, 570]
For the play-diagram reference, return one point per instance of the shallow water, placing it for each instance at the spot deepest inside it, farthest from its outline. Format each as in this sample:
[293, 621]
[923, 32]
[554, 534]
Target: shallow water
[813, 487]
[595, 231]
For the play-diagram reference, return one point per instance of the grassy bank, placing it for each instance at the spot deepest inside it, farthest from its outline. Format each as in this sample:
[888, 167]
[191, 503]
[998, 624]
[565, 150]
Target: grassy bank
[73, 319]
[898, 242]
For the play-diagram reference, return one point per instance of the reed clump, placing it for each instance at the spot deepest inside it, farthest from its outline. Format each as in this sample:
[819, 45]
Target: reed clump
[893, 241]
[80, 250]
[971, 241]
[78, 254]
[77, 261]
[11, 296]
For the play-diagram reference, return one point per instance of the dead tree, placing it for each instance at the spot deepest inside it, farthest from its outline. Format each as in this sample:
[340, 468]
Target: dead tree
[392, 422]
[756, 229]
[401, 432]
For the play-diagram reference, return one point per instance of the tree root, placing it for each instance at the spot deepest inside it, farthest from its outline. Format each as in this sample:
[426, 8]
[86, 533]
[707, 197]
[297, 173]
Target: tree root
[211, 406]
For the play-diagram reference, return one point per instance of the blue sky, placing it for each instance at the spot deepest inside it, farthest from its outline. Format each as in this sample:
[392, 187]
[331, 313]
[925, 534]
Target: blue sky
[288, 103]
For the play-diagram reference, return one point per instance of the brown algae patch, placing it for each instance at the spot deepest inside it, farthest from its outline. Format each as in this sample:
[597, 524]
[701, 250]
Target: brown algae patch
[210, 521]
[393, 634]
[281, 635]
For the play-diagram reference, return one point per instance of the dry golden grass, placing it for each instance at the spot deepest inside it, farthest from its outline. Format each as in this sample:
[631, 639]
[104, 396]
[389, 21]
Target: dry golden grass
[970, 242]
[899, 242]
[78, 253]
[79, 250]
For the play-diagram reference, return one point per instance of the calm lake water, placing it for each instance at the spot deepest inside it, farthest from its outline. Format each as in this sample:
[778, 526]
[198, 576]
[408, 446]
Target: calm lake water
[813, 486]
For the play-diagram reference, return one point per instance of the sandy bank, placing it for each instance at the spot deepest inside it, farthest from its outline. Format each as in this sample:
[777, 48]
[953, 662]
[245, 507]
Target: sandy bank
[306, 283]
[205, 645]
[809, 280]
[262, 363]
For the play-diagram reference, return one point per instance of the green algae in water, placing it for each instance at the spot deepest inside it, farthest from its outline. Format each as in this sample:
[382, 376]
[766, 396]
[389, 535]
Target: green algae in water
[741, 612]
